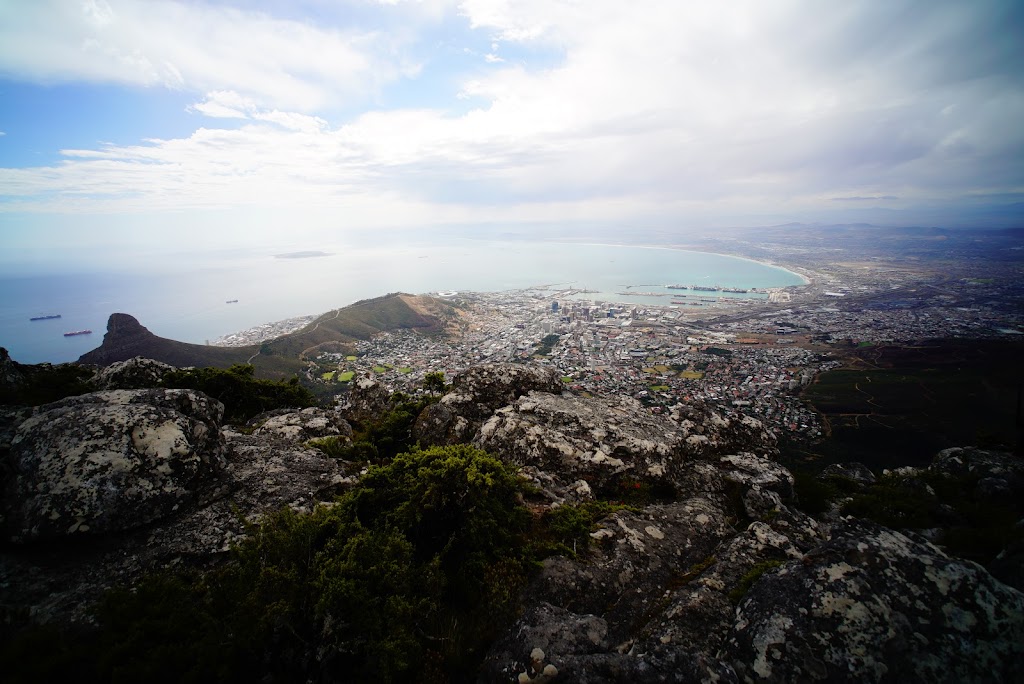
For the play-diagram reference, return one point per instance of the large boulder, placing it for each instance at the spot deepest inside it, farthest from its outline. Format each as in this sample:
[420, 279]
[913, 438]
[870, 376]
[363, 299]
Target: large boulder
[135, 373]
[607, 443]
[367, 399]
[110, 461]
[476, 394]
[709, 431]
[298, 427]
[873, 605]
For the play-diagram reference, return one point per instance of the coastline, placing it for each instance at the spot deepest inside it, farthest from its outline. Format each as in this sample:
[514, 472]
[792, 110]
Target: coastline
[267, 331]
[787, 269]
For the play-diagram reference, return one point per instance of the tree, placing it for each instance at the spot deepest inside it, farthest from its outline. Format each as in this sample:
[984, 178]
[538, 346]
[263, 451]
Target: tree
[434, 382]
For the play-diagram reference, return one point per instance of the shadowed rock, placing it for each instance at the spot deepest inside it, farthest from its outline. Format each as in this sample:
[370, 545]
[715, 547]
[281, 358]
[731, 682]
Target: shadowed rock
[873, 605]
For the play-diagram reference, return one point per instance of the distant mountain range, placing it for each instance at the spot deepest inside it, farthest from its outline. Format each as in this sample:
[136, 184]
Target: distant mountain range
[335, 330]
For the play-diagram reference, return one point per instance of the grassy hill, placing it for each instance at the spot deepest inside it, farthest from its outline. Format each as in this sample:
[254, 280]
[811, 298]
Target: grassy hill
[335, 330]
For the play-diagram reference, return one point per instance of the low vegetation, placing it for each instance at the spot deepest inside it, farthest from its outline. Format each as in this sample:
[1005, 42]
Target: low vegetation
[243, 395]
[406, 577]
[44, 383]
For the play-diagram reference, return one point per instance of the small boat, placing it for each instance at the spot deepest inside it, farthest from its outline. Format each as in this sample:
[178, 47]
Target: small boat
[77, 332]
[231, 301]
[44, 318]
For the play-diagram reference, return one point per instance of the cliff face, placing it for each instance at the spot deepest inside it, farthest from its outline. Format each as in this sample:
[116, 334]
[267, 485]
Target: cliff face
[713, 574]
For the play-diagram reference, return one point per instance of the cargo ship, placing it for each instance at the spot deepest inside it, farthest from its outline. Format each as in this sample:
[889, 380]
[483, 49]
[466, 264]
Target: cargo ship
[77, 332]
[44, 318]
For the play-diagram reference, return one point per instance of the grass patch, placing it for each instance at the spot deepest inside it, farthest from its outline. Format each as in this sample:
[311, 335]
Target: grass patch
[328, 376]
[346, 376]
[659, 388]
[351, 358]
[380, 369]
[691, 375]
[405, 370]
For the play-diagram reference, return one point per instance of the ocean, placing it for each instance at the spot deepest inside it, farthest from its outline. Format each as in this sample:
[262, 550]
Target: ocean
[187, 299]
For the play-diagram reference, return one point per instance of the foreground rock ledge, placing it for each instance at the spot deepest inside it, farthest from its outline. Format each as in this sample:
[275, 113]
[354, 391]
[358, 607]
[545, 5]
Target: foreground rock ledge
[110, 461]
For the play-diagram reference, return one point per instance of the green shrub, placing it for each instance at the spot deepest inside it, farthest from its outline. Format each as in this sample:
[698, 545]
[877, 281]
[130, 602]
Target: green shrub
[45, 383]
[567, 528]
[814, 496]
[407, 577]
[242, 394]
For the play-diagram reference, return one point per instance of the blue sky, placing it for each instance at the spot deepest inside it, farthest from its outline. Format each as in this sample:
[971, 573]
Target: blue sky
[137, 124]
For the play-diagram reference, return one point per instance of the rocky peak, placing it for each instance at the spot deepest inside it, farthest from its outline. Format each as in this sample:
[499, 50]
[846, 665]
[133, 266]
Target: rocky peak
[124, 333]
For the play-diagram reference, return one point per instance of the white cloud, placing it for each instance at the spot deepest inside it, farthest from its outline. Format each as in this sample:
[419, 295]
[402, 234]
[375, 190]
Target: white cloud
[667, 111]
[279, 62]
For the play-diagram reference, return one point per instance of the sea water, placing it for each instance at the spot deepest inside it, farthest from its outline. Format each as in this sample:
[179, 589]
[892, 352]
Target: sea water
[187, 299]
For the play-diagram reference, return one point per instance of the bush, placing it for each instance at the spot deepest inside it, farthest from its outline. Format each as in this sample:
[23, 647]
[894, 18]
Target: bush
[242, 394]
[407, 577]
[568, 527]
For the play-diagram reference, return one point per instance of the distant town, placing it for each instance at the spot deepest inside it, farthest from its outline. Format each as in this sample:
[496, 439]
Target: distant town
[747, 354]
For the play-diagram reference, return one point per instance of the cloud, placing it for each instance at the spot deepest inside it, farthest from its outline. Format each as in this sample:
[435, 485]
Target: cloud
[678, 112]
[203, 47]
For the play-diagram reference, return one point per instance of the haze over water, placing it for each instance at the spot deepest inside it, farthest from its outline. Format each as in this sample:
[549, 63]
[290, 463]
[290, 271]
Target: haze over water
[188, 302]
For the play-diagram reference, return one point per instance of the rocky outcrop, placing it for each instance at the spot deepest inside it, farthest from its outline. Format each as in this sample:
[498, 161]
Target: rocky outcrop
[298, 427]
[475, 395]
[111, 461]
[871, 604]
[867, 604]
[124, 337]
[601, 442]
[708, 431]
[998, 475]
[857, 475]
[11, 375]
[260, 476]
[135, 373]
[367, 399]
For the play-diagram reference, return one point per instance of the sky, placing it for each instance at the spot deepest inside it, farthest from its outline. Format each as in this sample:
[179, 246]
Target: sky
[142, 124]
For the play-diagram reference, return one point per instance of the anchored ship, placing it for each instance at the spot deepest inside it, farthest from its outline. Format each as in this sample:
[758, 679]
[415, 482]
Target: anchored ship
[77, 332]
[44, 318]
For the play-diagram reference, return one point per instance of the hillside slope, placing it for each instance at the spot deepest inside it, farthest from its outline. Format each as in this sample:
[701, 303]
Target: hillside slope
[335, 330]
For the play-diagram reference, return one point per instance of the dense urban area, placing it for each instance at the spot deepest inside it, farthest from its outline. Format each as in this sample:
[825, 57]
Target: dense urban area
[748, 355]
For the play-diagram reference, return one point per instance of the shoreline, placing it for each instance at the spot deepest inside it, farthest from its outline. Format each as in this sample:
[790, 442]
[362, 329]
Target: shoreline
[787, 269]
[262, 332]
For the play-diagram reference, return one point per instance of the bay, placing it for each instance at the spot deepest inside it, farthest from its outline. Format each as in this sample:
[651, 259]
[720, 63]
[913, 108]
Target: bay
[187, 299]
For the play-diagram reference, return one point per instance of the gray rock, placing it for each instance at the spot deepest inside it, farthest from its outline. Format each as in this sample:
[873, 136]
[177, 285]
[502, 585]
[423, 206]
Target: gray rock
[604, 442]
[749, 470]
[110, 461]
[367, 399]
[586, 613]
[857, 474]
[979, 463]
[11, 375]
[135, 373]
[475, 395]
[298, 427]
[873, 605]
[708, 431]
